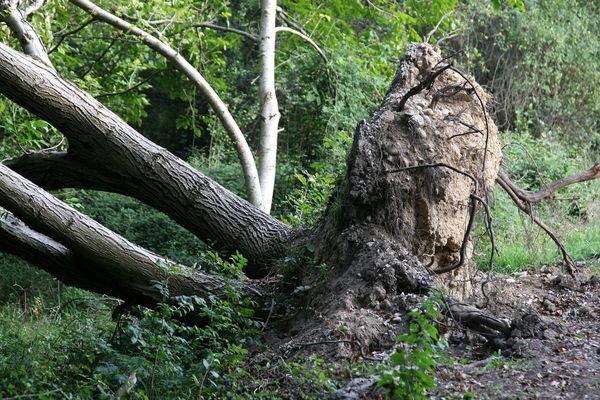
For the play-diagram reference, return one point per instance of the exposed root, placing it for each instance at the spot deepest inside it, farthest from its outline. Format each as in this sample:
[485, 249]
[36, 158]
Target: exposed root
[506, 184]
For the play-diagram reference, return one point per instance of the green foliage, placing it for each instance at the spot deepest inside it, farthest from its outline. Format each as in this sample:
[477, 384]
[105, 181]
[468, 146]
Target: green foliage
[534, 163]
[417, 356]
[539, 62]
[82, 358]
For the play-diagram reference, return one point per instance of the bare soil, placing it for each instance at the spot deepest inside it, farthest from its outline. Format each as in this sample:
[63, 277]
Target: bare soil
[562, 363]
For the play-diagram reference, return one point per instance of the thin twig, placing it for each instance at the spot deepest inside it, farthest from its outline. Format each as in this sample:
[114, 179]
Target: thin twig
[131, 88]
[305, 38]
[240, 32]
[435, 28]
[63, 36]
[490, 231]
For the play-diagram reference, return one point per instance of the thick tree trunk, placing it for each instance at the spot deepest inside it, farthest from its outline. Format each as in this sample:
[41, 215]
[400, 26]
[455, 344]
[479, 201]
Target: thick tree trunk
[117, 158]
[82, 252]
[403, 212]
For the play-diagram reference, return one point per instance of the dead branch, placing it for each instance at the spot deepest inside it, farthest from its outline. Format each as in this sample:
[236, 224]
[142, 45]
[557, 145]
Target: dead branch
[478, 320]
[524, 205]
[549, 190]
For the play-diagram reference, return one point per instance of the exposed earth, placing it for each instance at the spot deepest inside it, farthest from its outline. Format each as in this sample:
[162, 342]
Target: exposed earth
[564, 363]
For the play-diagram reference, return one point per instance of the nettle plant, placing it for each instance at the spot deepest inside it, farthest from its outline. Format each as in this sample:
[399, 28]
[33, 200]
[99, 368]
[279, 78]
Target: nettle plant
[418, 353]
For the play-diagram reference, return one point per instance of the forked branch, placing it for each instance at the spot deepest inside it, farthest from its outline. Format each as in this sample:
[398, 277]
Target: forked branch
[16, 21]
[524, 205]
[549, 190]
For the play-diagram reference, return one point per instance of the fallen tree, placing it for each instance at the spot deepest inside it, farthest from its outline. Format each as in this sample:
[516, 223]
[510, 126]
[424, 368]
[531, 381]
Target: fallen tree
[399, 224]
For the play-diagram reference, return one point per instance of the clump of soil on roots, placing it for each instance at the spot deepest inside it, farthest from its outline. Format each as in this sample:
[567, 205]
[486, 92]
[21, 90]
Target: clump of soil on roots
[402, 214]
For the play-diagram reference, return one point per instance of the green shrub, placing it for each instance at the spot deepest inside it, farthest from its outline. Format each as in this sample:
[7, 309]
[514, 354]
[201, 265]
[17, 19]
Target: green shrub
[417, 356]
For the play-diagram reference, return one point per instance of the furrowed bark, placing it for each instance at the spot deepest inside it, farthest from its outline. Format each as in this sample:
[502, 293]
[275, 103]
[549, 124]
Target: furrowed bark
[44, 252]
[84, 253]
[99, 139]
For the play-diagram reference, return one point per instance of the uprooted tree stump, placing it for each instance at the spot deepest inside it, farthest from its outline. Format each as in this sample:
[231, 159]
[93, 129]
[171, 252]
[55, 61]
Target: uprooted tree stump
[400, 222]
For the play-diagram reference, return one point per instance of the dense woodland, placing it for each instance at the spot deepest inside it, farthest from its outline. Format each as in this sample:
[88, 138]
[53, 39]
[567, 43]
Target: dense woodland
[299, 199]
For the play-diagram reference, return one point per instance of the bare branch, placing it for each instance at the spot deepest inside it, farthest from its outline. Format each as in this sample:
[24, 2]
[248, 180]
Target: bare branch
[505, 184]
[62, 36]
[133, 87]
[549, 190]
[236, 135]
[435, 28]
[305, 38]
[209, 25]
[27, 36]
[524, 199]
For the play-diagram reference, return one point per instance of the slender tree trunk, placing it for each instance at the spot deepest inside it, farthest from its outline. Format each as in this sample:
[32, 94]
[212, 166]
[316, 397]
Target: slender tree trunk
[269, 112]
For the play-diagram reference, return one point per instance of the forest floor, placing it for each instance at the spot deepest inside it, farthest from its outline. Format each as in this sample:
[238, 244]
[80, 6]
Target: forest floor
[562, 363]
[557, 358]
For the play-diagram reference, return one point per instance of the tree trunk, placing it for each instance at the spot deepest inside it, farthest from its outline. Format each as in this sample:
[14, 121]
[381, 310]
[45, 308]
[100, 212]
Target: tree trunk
[219, 107]
[82, 252]
[269, 108]
[118, 159]
[404, 209]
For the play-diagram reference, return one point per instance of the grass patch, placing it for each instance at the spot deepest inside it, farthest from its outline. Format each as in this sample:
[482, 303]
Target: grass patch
[532, 248]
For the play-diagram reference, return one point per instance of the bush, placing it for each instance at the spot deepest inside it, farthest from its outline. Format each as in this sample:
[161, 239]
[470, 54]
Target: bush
[539, 62]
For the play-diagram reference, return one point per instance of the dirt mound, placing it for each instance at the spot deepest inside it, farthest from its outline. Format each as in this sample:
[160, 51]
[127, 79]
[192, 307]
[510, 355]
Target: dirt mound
[413, 168]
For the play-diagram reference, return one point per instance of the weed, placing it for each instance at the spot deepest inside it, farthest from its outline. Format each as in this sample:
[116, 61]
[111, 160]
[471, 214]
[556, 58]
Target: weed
[417, 356]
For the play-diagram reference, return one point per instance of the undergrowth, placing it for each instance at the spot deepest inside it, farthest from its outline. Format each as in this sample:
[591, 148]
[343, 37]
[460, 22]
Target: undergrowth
[572, 213]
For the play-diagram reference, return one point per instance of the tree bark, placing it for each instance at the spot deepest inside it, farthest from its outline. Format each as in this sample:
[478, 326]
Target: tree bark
[27, 36]
[83, 253]
[231, 127]
[399, 215]
[128, 163]
[269, 108]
